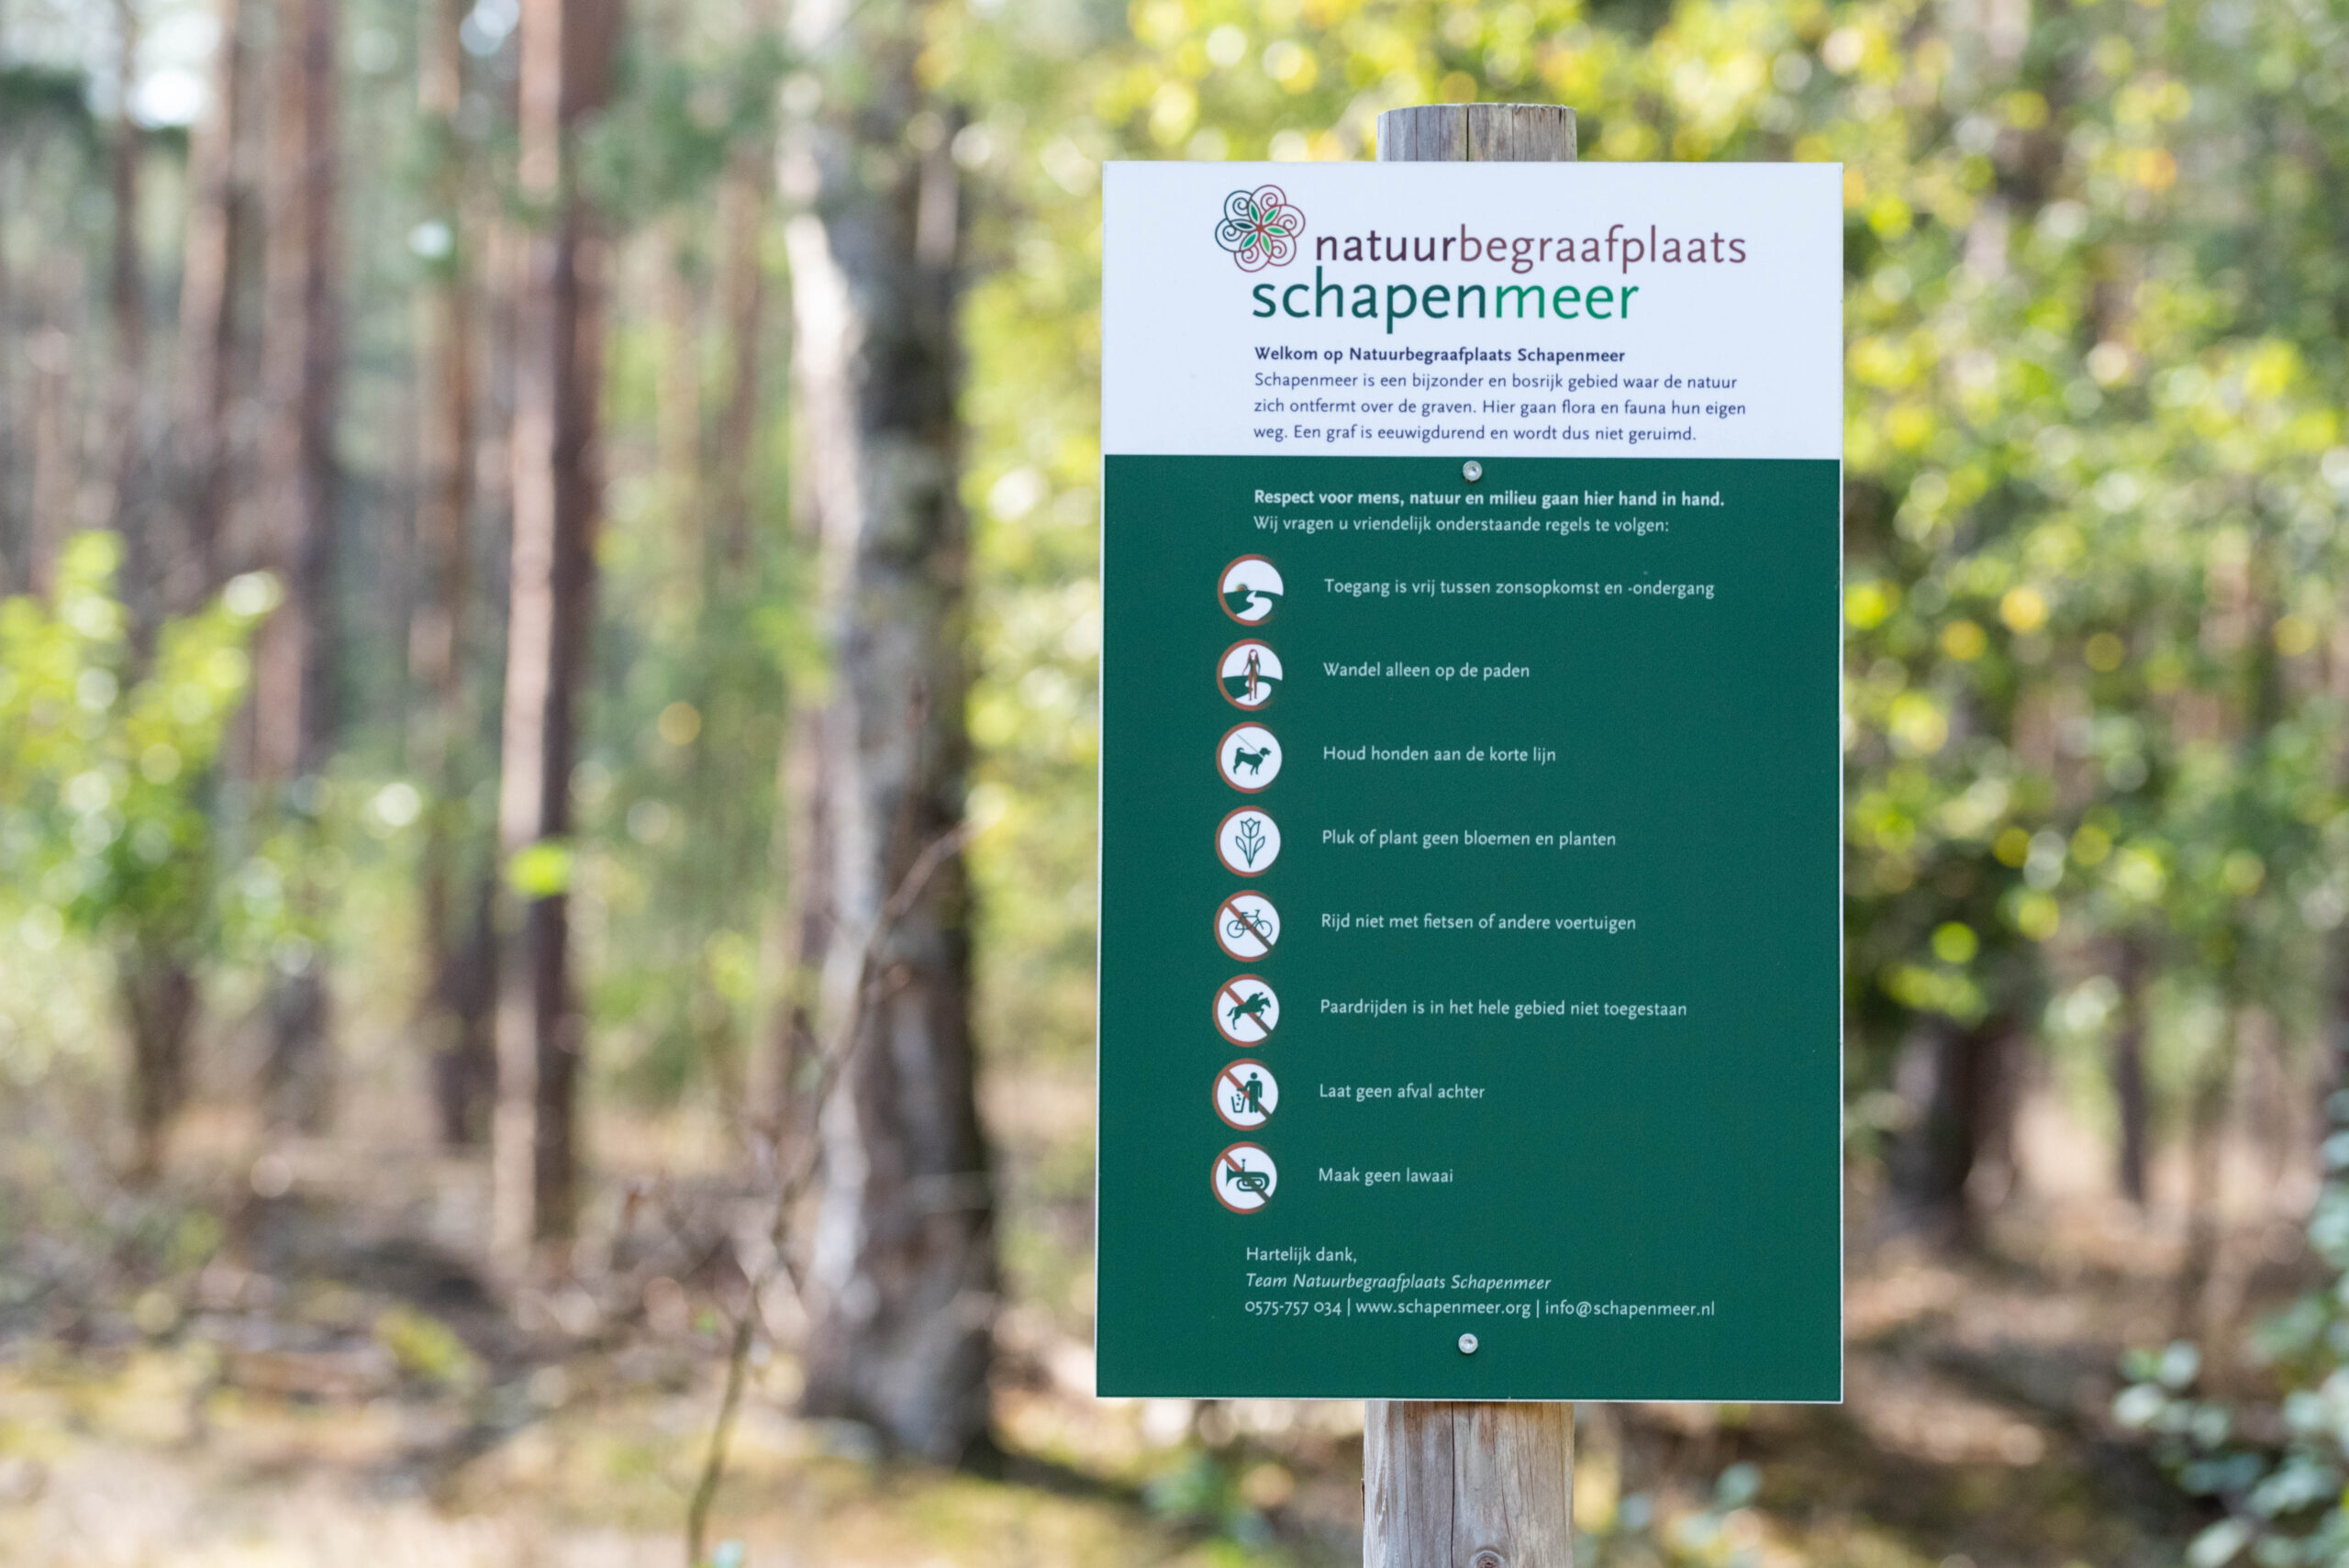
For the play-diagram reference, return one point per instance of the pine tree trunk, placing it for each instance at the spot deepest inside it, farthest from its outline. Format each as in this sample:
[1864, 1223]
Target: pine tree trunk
[126, 305]
[677, 396]
[1954, 1077]
[904, 1277]
[741, 288]
[158, 990]
[295, 673]
[567, 50]
[57, 456]
[210, 287]
[447, 381]
[2128, 1094]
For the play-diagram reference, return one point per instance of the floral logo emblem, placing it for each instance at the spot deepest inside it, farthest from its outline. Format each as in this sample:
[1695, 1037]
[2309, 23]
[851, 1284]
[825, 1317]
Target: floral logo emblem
[1260, 227]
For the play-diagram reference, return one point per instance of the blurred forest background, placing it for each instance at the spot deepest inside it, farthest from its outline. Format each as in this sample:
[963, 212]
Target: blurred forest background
[551, 550]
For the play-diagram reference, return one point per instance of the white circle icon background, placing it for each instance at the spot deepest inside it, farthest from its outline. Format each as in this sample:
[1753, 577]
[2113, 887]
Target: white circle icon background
[1250, 589]
[1248, 841]
[1249, 675]
[1246, 1095]
[1244, 1178]
[1247, 926]
[1249, 757]
[1246, 1010]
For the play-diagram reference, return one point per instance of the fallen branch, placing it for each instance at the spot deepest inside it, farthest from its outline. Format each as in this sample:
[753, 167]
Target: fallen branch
[833, 1063]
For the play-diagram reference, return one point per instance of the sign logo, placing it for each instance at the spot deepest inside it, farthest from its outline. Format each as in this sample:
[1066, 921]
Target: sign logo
[1249, 757]
[1246, 1011]
[1260, 227]
[1249, 673]
[1250, 589]
[1246, 1095]
[1248, 841]
[1247, 926]
[1244, 1178]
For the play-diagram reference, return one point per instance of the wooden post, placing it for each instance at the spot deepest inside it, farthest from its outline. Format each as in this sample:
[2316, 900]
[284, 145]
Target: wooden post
[1465, 1486]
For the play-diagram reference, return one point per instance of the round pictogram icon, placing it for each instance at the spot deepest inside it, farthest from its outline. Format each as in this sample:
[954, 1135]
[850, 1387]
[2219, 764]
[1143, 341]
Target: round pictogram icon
[1246, 926]
[1250, 589]
[1248, 840]
[1249, 675]
[1248, 756]
[1246, 1095]
[1244, 1178]
[1246, 1011]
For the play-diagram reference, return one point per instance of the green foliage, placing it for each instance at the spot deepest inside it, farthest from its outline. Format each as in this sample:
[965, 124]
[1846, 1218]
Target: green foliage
[687, 106]
[46, 96]
[1721, 1534]
[427, 1350]
[2275, 1469]
[106, 756]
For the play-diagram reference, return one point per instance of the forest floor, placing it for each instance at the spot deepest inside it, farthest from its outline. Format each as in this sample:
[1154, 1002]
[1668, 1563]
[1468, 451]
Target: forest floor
[348, 1391]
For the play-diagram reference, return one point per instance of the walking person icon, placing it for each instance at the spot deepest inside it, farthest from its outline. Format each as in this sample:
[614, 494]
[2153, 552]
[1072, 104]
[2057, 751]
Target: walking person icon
[1249, 675]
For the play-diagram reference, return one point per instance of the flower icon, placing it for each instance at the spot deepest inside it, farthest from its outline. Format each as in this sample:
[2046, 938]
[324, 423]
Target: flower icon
[1250, 840]
[1260, 227]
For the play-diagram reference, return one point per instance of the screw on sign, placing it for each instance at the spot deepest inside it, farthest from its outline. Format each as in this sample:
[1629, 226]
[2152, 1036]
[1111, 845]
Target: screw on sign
[1244, 1178]
[1250, 589]
[1246, 1095]
[1246, 926]
[1246, 1010]
[1248, 840]
[1249, 673]
[1249, 757]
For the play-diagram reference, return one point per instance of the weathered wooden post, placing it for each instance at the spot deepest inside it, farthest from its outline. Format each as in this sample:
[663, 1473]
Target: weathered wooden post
[1462, 1485]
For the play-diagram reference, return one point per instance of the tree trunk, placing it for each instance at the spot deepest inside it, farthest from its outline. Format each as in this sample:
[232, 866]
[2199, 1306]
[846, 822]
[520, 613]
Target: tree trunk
[127, 304]
[2129, 1096]
[904, 1276]
[741, 288]
[57, 457]
[295, 675]
[447, 381]
[677, 397]
[567, 50]
[803, 827]
[157, 985]
[1953, 1079]
[210, 287]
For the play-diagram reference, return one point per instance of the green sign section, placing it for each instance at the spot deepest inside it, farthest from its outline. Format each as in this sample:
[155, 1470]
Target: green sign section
[1470, 930]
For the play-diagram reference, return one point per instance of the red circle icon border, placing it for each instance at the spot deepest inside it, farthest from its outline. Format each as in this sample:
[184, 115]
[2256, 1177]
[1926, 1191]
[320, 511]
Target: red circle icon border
[1243, 560]
[1226, 823]
[1217, 1015]
[1219, 674]
[1226, 903]
[1216, 1187]
[1230, 1067]
[1245, 789]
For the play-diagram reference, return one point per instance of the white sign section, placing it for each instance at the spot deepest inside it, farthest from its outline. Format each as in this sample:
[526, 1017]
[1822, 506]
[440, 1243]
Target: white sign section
[1491, 309]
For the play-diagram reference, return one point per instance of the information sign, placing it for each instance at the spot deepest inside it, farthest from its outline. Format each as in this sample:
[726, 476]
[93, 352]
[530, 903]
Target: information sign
[1503, 503]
